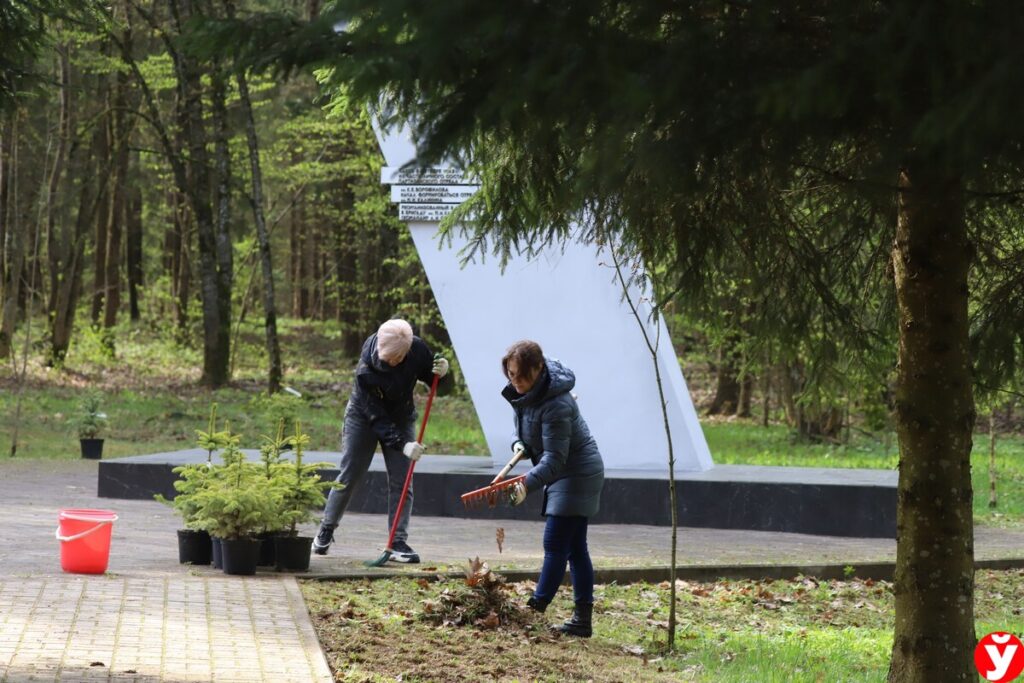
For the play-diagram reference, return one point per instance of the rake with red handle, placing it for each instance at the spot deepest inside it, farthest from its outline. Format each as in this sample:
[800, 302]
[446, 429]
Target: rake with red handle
[380, 561]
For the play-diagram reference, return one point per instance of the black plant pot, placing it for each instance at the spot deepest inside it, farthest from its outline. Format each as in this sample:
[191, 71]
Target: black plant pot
[293, 553]
[267, 551]
[92, 448]
[217, 554]
[240, 555]
[194, 547]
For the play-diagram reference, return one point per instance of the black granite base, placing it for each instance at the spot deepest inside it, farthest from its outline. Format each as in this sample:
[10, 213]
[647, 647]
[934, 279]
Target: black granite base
[831, 502]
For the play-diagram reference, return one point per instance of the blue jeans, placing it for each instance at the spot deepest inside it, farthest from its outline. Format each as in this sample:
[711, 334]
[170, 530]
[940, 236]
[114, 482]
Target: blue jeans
[565, 540]
[358, 443]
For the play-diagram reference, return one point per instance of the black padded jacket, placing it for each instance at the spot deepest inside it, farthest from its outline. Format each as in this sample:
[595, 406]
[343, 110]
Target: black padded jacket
[384, 393]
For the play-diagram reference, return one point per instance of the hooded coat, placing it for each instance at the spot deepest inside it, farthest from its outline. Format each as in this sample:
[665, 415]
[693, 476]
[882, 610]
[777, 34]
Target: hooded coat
[566, 461]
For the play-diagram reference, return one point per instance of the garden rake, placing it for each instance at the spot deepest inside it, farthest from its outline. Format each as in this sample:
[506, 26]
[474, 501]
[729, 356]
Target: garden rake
[489, 494]
[382, 560]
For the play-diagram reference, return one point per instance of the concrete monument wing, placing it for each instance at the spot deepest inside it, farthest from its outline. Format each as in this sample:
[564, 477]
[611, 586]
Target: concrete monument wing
[569, 301]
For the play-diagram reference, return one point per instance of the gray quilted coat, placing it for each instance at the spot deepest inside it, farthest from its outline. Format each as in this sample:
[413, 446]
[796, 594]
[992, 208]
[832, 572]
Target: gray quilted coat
[566, 462]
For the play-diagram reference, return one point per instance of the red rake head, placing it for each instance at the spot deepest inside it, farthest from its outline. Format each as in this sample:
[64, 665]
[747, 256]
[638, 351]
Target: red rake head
[488, 495]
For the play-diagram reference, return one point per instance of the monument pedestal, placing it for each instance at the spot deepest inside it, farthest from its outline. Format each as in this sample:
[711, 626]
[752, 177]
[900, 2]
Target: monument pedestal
[829, 502]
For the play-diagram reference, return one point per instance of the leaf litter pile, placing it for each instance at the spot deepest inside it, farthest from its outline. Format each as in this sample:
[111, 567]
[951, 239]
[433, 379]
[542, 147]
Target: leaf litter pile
[478, 628]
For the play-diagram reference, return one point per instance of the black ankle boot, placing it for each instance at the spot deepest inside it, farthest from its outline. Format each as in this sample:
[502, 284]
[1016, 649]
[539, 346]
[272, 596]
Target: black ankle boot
[580, 624]
[537, 605]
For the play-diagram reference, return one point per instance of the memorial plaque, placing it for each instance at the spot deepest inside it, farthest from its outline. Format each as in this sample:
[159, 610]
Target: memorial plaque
[434, 175]
[432, 194]
[424, 212]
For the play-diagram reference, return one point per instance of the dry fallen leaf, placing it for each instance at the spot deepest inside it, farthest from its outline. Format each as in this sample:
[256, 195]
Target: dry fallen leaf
[491, 621]
[499, 536]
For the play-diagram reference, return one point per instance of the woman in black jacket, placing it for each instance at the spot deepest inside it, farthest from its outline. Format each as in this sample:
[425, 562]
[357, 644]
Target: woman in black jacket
[566, 465]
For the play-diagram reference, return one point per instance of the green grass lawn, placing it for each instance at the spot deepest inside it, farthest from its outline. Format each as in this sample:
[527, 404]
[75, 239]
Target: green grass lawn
[149, 391]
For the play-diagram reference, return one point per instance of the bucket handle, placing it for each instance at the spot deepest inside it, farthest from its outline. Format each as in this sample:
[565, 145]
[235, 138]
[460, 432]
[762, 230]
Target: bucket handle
[67, 539]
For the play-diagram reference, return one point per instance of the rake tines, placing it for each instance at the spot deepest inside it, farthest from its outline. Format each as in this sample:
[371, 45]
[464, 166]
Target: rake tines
[488, 495]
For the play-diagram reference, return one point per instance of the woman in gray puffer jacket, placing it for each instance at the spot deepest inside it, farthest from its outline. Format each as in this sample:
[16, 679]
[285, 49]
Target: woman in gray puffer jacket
[566, 465]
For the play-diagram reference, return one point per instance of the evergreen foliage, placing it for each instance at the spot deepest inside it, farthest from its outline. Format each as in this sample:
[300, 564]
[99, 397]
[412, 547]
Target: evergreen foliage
[92, 420]
[827, 152]
[237, 501]
[302, 490]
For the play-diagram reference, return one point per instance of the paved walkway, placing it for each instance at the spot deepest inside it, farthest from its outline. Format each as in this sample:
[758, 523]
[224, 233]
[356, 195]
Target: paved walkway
[151, 619]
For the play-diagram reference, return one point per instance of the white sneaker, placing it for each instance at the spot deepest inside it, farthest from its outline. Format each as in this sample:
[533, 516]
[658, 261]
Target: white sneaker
[402, 553]
[323, 540]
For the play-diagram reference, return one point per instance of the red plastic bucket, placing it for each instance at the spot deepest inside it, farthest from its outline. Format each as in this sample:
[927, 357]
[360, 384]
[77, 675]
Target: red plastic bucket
[84, 537]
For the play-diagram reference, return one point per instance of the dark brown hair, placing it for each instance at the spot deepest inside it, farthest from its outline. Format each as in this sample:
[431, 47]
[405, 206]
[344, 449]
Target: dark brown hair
[527, 354]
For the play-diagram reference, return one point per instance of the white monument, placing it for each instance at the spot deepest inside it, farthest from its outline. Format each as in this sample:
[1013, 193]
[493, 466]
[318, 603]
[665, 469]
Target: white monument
[567, 299]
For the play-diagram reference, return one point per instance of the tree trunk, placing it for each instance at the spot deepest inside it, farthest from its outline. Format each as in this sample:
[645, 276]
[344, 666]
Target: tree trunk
[69, 289]
[176, 259]
[197, 184]
[274, 373]
[222, 238]
[293, 257]
[934, 637]
[337, 255]
[118, 203]
[727, 387]
[56, 246]
[319, 274]
[13, 246]
[66, 246]
[743, 406]
[103, 214]
[183, 267]
[300, 263]
[993, 499]
[5, 175]
[813, 420]
[133, 250]
[766, 392]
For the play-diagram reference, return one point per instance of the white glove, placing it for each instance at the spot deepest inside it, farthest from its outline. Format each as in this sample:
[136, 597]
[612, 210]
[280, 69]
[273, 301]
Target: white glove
[413, 450]
[440, 366]
[517, 493]
[518, 449]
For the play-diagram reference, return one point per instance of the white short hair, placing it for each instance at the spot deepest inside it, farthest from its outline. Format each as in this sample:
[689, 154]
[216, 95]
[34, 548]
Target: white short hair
[394, 338]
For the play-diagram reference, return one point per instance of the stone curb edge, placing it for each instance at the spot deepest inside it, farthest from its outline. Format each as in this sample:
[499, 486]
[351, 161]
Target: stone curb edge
[877, 571]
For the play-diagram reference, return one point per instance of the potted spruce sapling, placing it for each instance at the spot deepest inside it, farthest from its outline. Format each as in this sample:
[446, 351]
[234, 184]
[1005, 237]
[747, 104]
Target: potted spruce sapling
[90, 426]
[302, 491]
[270, 461]
[235, 507]
[212, 441]
[194, 543]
